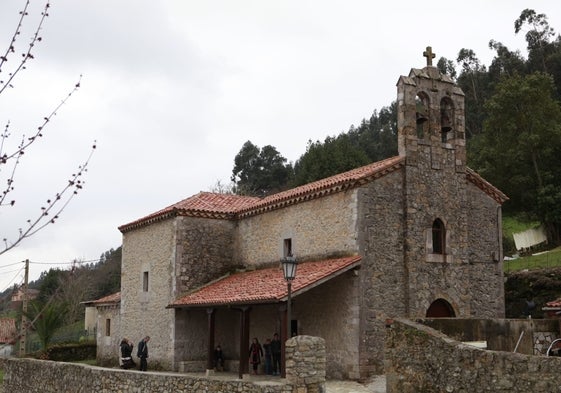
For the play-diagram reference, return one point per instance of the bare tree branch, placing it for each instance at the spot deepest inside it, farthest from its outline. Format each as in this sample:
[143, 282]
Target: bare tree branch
[10, 160]
[27, 55]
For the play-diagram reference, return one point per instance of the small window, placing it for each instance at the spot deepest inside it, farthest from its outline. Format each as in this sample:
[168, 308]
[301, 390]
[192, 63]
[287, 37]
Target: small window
[287, 248]
[108, 327]
[438, 237]
[145, 281]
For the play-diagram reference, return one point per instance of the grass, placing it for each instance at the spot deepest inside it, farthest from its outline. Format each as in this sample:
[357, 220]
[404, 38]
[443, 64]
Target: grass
[515, 224]
[91, 362]
[1, 376]
[543, 260]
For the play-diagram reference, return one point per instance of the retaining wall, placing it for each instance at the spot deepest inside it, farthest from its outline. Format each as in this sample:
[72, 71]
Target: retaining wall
[421, 359]
[305, 373]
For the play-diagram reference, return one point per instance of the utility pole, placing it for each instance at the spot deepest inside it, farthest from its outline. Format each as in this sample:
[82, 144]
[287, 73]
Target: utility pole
[23, 332]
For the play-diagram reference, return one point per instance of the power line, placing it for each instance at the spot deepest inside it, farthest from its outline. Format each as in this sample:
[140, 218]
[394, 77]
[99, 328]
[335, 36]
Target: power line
[75, 262]
[11, 264]
[13, 279]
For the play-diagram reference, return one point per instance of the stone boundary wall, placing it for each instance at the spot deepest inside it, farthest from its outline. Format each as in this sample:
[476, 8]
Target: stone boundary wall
[421, 359]
[305, 364]
[305, 374]
[528, 336]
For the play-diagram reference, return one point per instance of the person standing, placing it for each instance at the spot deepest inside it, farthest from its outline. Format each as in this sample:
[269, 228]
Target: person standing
[268, 357]
[142, 353]
[218, 359]
[126, 354]
[255, 353]
[276, 352]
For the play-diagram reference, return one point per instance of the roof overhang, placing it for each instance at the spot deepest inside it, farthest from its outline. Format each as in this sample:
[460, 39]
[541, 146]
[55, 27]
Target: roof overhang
[265, 286]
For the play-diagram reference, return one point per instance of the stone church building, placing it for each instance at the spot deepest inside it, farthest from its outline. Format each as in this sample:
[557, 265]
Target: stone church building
[415, 235]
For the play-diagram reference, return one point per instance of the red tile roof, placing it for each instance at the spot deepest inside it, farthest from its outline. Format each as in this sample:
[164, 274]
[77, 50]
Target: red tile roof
[487, 187]
[114, 298]
[554, 304]
[203, 204]
[227, 206]
[265, 285]
[8, 332]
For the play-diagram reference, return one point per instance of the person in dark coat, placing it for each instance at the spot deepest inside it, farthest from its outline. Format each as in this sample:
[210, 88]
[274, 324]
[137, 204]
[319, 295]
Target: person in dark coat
[255, 353]
[218, 359]
[142, 353]
[268, 357]
[126, 354]
[276, 352]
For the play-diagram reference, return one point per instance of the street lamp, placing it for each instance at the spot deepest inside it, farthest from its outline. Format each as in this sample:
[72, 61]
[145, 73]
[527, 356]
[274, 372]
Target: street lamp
[289, 265]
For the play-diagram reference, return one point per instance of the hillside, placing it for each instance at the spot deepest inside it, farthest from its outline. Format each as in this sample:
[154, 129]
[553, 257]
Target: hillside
[539, 286]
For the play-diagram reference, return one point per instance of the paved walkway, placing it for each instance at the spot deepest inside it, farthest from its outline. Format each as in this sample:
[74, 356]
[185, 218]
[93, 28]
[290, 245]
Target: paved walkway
[374, 385]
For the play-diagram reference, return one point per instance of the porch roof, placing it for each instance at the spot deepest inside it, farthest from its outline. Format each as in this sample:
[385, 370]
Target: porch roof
[265, 285]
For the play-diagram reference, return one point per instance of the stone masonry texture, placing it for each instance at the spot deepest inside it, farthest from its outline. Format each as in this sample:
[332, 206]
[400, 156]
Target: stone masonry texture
[420, 359]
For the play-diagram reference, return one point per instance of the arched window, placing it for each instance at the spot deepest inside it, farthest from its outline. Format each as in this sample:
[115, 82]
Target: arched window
[438, 237]
[422, 114]
[446, 117]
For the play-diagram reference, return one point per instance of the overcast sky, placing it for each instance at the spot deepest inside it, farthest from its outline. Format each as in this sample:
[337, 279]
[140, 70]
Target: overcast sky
[172, 89]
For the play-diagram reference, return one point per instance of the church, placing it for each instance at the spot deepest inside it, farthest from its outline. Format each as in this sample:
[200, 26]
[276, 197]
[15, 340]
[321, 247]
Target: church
[415, 235]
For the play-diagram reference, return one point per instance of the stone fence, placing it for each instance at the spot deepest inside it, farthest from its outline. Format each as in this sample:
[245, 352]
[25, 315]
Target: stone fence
[305, 373]
[421, 359]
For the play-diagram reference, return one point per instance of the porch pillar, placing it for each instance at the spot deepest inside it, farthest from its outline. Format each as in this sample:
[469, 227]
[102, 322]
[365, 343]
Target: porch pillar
[211, 316]
[244, 342]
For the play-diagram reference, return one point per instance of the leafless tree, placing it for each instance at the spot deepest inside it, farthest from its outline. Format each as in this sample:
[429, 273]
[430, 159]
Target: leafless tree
[11, 157]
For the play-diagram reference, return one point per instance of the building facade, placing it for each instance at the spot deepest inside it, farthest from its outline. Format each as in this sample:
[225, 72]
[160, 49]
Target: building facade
[414, 235]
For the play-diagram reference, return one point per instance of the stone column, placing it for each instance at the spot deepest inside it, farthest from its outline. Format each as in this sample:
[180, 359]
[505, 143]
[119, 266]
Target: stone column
[305, 364]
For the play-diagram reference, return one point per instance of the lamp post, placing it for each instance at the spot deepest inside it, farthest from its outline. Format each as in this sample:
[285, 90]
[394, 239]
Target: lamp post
[289, 265]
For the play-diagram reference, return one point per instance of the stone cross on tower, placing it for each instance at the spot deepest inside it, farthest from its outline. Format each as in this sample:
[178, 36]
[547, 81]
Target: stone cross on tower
[429, 55]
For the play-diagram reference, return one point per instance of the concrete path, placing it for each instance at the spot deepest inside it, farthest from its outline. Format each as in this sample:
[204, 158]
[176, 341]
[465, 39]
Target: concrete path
[376, 384]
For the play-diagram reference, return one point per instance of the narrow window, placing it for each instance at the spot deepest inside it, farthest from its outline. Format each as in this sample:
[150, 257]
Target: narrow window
[438, 237]
[287, 248]
[108, 327]
[145, 281]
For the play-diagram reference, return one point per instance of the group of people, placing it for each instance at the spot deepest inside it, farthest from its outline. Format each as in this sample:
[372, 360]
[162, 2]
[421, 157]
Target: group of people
[142, 353]
[271, 350]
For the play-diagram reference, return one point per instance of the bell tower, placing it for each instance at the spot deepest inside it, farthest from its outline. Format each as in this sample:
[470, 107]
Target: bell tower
[431, 138]
[430, 117]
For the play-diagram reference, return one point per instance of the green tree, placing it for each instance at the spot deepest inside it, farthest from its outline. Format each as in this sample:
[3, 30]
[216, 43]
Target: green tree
[474, 81]
[519, 149]
[46, 320]
[447, 67]
[260, 172]
[538, 37]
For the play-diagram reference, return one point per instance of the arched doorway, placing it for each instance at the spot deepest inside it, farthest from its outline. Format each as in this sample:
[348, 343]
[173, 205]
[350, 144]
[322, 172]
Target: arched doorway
[440, 308]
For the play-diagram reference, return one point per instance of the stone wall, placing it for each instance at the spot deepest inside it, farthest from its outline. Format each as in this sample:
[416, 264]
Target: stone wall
[421, 359]
[149, 250]
[468, 274]
[205, 250]
[336, 303]
[527, 336]
[318, 228]
[108, 351]
[305, 373]
[383, 278]
[485, 255]
[305, 364]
